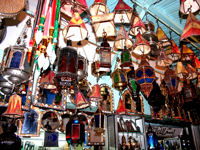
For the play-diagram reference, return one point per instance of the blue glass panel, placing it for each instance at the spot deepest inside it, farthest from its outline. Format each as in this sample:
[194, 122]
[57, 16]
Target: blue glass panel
[140, 81]
[149, 72]
[139, 74]
[50, 97]
[96, 117]
[149, 80]
[173, 82]
[122, 78]
[15, 61]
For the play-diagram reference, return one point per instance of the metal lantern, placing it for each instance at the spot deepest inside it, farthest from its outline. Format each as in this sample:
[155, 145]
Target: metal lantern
[98, 8]
[173, 51]
[192, 27]
[123, 13]
[105, 56]
[122, 40]
[119, 79]
[126, 61]
[187, 54]
[47, 80]
[67, 65]
[82, 67]
[188, 6]
[192, 73]
[95, 93]
[76, 30]
[5, 86]
[181, 72]
[171, 80]
[137, 26]
[141, 46]
[145, 76]
[162, 38]
[81, 101]
[95, 66]
[15, 66]
[104, 24]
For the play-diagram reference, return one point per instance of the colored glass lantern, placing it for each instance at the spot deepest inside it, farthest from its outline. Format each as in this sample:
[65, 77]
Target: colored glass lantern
[104, 24]
[98, 8]
[163, 61]
[192, 73]
[141, 46]
[105, 56]
[67, 65]
[95, 93]
[126, 61]
[119, 79]
[145, 76]
[82, 67]
[171, 80]
[137, 26]
[75, 30]
[122, 40]
[173, 51]
[181, 71]
[81, 101]
[15, 66]
[14, 109]
[162, 38]
[121, 108]
[123, 13]
[187, 54]
[47, 80]
[192, 27]
[188, 6]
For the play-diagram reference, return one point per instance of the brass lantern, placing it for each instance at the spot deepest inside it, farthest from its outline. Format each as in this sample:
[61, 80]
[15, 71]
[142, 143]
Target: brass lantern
[82, 67]
[173, 51]
[123, 13]
[162, 38]
[119, 79]
[95, 66]
[126, 61]
[105, 56]
[188, 6]
[98, 8]
[187, 54]
[145, 76]
[122, 40]
[171, 80]
[192, 27]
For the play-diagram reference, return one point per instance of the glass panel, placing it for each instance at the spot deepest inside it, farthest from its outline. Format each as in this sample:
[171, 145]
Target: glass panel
[16, 59]
[139, 73]
[149, 72]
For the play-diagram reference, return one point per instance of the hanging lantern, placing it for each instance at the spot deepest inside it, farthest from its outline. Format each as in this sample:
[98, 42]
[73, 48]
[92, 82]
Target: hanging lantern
[163, 61]
[123, 13]
[98, 8]
[126, 61]
[104, 24]
[162, 38]
[95, 69]
[5, 86]
[137, 26]
[171, 80]
[119, 79]
[15, 66]
[192, 73]
[76, 30]
[173, 51]
[128, 101]
[84, 85]
[188, 6]
[145, 76]
[47, 80]
[82, 67]
[122, 40]
[142, 46]
[181, 71]
[67, 65]
[121, 108]
[67, 8]
[187, 54]
[95, 93]
[14, 109]
[81, 101]
[105, 56]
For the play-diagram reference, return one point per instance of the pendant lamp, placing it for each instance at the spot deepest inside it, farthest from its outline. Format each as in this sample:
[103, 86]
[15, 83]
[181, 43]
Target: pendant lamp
[162, 38]
[81, 101]
[187, 54]
[173, 51]
[99, 7]
[188, 6]
[95, 94]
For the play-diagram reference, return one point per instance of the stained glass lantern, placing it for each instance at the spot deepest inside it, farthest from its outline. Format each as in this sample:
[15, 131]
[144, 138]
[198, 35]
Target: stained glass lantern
[67, 65]
[145, 76]
[192, 27]
[123, 13]
[119, 79]
[15, 66]
[122, 40]
[105, 56]
[181, 72]
[126, 61]
[171, 80]
[188, 6]
[192, 73]
[98, 8]
[173, 51]
[137, 26]
[47, 80]
[81, 101]
[162, 38]
[141, 46]
[82, 67]
[187, 54]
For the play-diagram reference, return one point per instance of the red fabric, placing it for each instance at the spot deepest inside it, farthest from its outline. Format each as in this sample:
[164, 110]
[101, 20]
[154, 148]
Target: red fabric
[53, 13]
[122, 5]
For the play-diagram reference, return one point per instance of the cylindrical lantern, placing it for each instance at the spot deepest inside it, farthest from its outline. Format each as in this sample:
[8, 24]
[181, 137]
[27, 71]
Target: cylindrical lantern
[82, 67]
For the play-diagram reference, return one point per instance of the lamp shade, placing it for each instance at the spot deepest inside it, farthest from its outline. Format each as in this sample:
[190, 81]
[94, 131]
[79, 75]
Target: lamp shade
[81, 101]
[173, 51]
[95, 93]
[98, 8]
[192, 27]
[121, 108]
[188, 6]
[187, 54]
[47, 80]
[162, 38]
[14, 109]
[122, 40]
[181, 71]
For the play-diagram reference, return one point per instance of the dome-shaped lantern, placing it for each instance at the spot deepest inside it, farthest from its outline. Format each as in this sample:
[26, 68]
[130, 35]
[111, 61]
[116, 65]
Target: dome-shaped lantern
[123, 13]
[187, 54]
[82, 67]
[122, 40]
[145, 76]
[188, 6]
[162, 38]
[119, 79]
[173, 51]
[98, 8]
